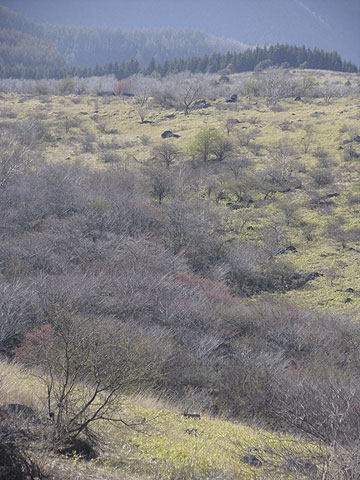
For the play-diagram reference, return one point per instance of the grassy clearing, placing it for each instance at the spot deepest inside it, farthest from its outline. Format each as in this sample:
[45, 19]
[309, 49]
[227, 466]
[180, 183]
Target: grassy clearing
[167, 446]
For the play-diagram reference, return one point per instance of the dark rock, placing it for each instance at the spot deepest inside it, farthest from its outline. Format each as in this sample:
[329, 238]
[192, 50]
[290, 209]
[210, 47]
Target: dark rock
[345, 142]
[250, 228]
[198, 107]
[126, 94]
[232, 99]
[191, 431]
[79, 447]
[20, 410]
[169, 134]
[297, 99]
[348, 300]
[340, 148]
[170, 117]
[84, 113]
[233, 206]
[311, 276]
[252, 460]
[105, 94]
[283, 250]
[356, 139]
[332, 195]
[350, 290]
[300, 466]
[232, 121]
[192, 415]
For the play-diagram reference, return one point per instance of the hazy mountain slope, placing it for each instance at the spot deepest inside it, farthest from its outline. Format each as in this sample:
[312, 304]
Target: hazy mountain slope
[327, 24]
[20, 48]
[85, 46]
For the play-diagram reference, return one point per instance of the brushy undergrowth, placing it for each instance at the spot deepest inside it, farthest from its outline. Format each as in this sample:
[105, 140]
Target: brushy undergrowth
[165, 444]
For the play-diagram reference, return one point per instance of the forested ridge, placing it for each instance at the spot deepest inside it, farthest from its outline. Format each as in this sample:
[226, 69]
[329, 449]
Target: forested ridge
[100, 51]
[85, 47]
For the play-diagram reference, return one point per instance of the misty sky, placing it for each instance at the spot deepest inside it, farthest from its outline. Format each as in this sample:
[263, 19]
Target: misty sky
[328, 24]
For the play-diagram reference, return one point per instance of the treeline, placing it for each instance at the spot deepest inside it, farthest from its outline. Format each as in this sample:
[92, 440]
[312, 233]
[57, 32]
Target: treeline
[259, 58]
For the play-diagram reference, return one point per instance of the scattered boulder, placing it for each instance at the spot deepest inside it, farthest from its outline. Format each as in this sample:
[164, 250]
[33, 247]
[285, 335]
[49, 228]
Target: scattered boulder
[233, 206]
[200, 102]
[105, 94]
[356, 139]
[312, 275]
[350, 290]
[250, 228]
[20, 410]
[78, 447]
[191, 431]
[300, 466]
[297, 99]
[192, 415]
[84, 113]
[283, 250]
[169, 134]
[126, 94]
[252, 460]
[348, 300]
[233, 98]
[232, 121]
[198, 107]
[170, 116]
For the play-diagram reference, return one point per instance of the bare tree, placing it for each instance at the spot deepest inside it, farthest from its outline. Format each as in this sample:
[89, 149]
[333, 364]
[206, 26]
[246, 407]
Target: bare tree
[188, 90]
[166, 152]
[161, 181]
[85, 365]
[276, 84]
[16, 156]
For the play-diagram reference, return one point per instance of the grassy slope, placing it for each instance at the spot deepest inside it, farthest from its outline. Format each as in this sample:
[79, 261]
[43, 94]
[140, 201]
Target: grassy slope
[167, 446]
[135, 140]
[164, 447]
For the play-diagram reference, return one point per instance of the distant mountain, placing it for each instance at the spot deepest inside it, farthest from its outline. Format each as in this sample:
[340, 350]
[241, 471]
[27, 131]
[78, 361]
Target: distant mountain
[17, 48]
[84, 46]
[326, 24]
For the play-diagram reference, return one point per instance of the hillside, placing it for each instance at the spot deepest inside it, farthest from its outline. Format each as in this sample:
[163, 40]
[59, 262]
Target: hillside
[164, 443]
[22, 49]
[86, 47]
[329, 25]
[194, 239]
